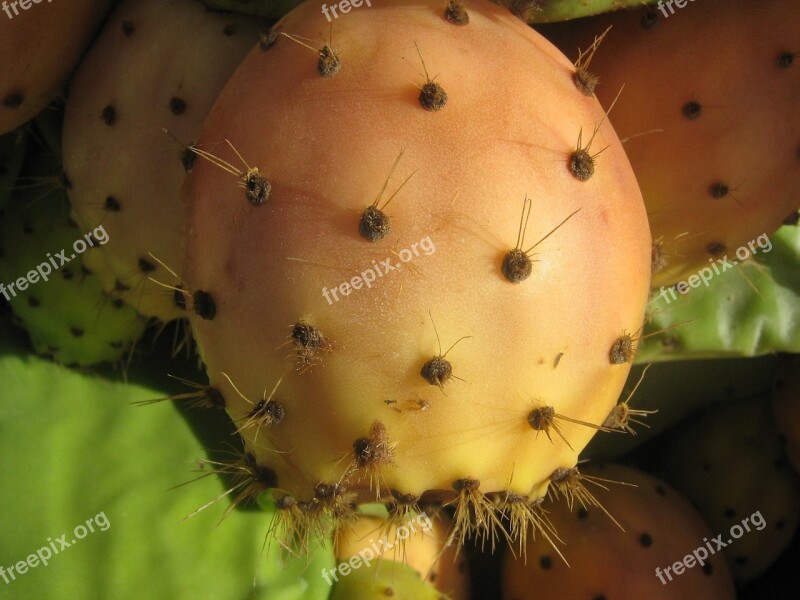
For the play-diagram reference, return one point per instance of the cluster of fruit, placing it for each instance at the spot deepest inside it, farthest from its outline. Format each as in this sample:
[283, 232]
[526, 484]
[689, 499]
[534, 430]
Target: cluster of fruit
[570, 170]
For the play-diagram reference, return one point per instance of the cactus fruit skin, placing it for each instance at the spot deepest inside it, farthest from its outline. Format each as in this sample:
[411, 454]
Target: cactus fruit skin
[389, 580]
[786, 407]
[660, 528]
[68, 317]
[419, 546]
[40, 48]
[362, 385]
[712, 131]
[155, 66]
[696, 459]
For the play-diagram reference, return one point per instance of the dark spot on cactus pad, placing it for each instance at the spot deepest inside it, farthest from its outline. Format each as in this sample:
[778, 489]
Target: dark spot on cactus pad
[257, 188]
[285, 502]
[109, 115]
[692, 110]
[204, 305]
[388, 592]
[67, 273]
[466, 485]
[230, 29]
[14, 100]
[374, 449]
[583, 514]
[784, 60]
[621, 350]
[76, 332]
[650, 19]
[729, 513]
[264, 477]
[188, 157]
[716, 248]
[116, 345]
[660, 490]
[718, 190]
[267, 38]
[374, 224]
[740, 560]
[455, 13]
[33, 302]
[145, 266]
[179, 299]
[120, 287]
[581, 164]
[111, 204]
[517, 266]
[27, 228]
[645, 540]
[326, 491]
[128, 28]
[329, 63]
[585, 81]
[708, 569]
[308, 340]
[792, 219]
[117, 303]
[432, 96]
[780, 524]
[177, 106]
[658, 260]
[545, 562]
[214, 397]
[541, 419]
[268, 413]
[65, 181]
[405, 499]
[437, 370]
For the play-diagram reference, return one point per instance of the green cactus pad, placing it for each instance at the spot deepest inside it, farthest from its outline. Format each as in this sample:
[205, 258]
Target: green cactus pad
[748, 310]
[383, 580]
[89, 452]
[66, 312]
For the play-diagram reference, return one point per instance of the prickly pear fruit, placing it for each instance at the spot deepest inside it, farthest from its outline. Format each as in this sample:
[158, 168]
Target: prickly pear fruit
[155, 66]
[657, 530]
[712, 132]
[63, 307]
[486, 365]
[417, 542]
[786, 407]
[757, 484]
[40, 46]
[379, 582]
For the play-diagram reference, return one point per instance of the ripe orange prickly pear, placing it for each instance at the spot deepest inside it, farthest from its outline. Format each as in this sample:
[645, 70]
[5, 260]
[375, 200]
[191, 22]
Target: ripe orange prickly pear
[709, 110]
[40, 45]
[661, 552]
[409, 272]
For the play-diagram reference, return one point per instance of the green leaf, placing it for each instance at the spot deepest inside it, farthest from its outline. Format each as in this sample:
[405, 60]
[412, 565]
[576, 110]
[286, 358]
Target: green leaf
[73, 449]
[750, 309]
